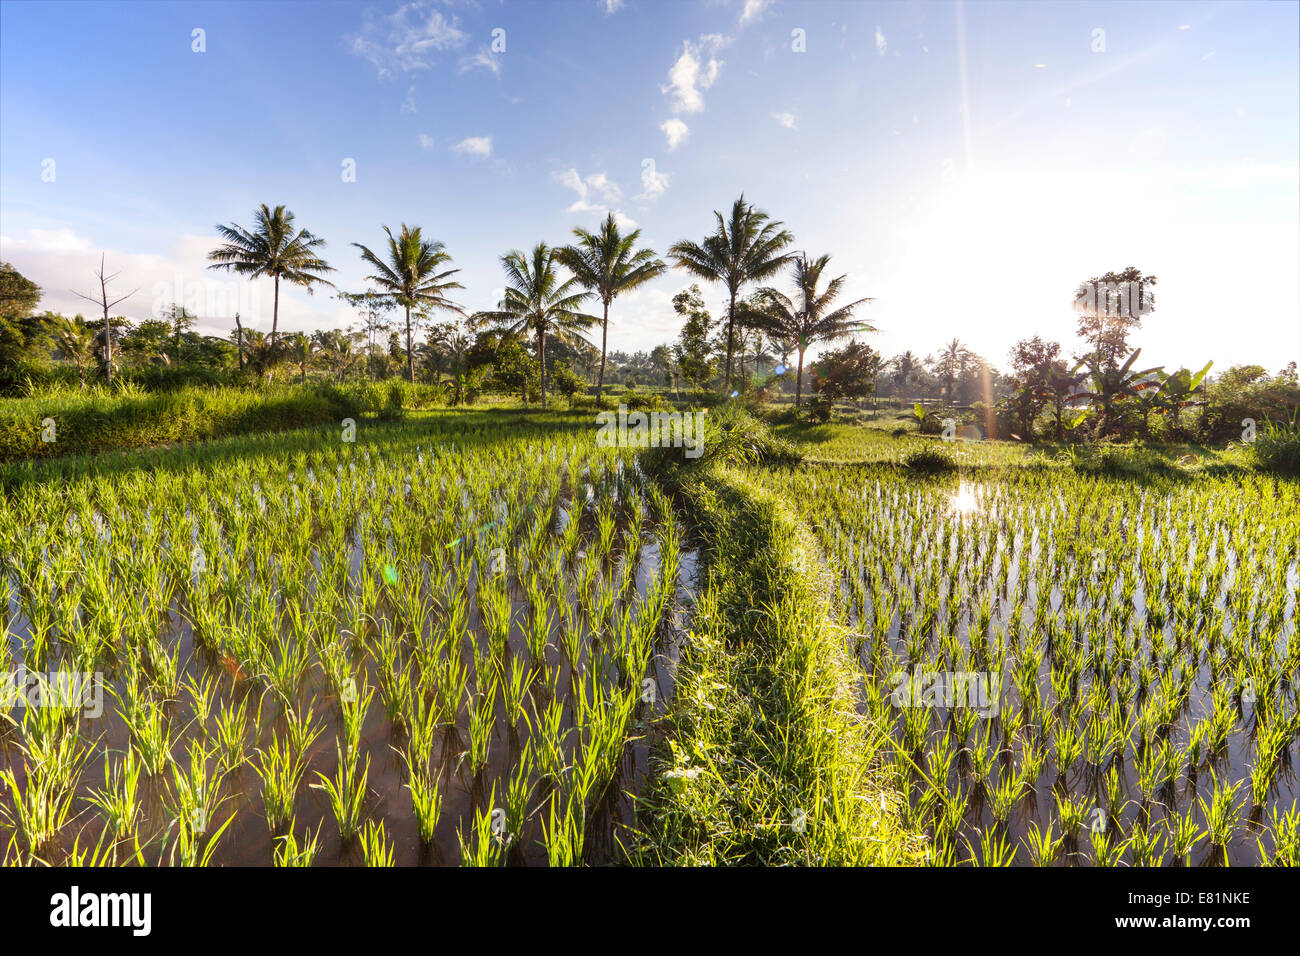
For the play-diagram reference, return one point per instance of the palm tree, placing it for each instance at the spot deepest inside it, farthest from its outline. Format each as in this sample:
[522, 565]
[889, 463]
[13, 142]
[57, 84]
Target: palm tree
[905, 367]
[261, 353]
[341, 350]
[537, 301]
[411, 278]
[76, 343]
[301, 349]
[745, 248]
[272, 249]
[952, 364]
[607, 263]
[805, 319]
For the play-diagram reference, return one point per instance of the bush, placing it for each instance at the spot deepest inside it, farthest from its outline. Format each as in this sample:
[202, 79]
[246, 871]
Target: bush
[1277, 448]
[731, 436]
[930, 458]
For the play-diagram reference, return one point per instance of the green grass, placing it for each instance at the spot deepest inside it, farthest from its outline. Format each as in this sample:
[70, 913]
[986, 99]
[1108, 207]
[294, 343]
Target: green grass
[764, 761]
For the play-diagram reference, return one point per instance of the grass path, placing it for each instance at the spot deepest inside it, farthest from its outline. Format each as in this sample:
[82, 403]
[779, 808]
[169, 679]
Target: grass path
[765, 759]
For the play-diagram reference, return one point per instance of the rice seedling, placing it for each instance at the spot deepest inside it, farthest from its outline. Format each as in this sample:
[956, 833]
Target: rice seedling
[288, 852]
[376, 850]
[346, 791]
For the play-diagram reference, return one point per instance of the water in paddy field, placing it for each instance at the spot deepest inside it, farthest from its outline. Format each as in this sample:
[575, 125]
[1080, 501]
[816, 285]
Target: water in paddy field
[985, 522]
[632, 566]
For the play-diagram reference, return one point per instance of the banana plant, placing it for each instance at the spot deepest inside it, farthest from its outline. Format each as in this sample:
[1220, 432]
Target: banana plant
[1110, 385]
[1177, 391]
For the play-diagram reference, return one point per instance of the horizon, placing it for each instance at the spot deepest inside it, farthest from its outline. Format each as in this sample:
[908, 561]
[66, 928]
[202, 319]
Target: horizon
[1179, 122]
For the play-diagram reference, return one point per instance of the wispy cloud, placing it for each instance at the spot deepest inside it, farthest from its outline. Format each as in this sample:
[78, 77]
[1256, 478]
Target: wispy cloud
[408, 104]
[690, 74]
[753, 10]
[474, 146]
[484, 58]
[597, 186]
[407, 39]
[880, 42]
[676, 131]
[612, 6]
[653, 183]
[785, 119]
[425, 141]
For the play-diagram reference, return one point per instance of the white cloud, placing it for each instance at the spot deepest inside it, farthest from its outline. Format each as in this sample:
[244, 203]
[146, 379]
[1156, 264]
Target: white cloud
[624, 222]
[880, 42]
[653, 183]
[676, 131]
[612, 6]
[407, 39]
[483, 58]
[785, 119]
[408, 104]
[426, 141]
[597, 186]
[690, 75]
[61, 261]
[753, 10]
[474, 146]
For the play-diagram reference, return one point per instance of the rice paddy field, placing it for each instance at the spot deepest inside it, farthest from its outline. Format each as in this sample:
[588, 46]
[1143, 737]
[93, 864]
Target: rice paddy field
[440, 643]
[1075, 669]
[458, 639]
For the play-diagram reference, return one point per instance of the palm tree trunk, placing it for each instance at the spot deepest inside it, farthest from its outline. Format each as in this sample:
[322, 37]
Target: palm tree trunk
[239, 341]
[604, 339]
[275, 310]
[731, 320]
[541, 354]
[410, 358]
[798, 381]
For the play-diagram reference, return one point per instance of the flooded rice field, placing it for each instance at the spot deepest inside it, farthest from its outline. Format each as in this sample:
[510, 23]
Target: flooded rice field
[1076, 670]
[353, 655]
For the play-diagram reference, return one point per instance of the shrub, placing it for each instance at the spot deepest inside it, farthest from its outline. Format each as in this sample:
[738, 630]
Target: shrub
[929, 458]
[1277, 448]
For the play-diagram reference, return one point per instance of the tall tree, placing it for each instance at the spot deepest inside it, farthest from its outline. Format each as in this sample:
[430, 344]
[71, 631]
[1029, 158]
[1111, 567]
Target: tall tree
[1110, 306]
[809, 317]
[413, 277]
[608, 264]
[272, 249]
[747, 247]
[537, 301]
[103, 302]
[694, 355]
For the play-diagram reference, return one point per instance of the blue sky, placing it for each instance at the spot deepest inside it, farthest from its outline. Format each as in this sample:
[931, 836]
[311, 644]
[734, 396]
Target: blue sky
[965, 164]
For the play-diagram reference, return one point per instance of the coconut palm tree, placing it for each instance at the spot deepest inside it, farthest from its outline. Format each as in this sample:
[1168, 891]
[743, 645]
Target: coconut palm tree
[807, 318]
[301, 350]
[537, 301]
[272, 249]
[608, 263]
[412, 279]
[745, 248]
[76, 343]
[905, 367]
[951, 365]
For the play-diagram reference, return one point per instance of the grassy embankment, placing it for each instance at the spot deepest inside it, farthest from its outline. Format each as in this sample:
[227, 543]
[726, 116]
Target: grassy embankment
[764, 760]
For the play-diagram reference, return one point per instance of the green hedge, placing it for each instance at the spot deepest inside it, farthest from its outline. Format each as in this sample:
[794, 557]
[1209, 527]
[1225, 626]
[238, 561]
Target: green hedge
[100, 422]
